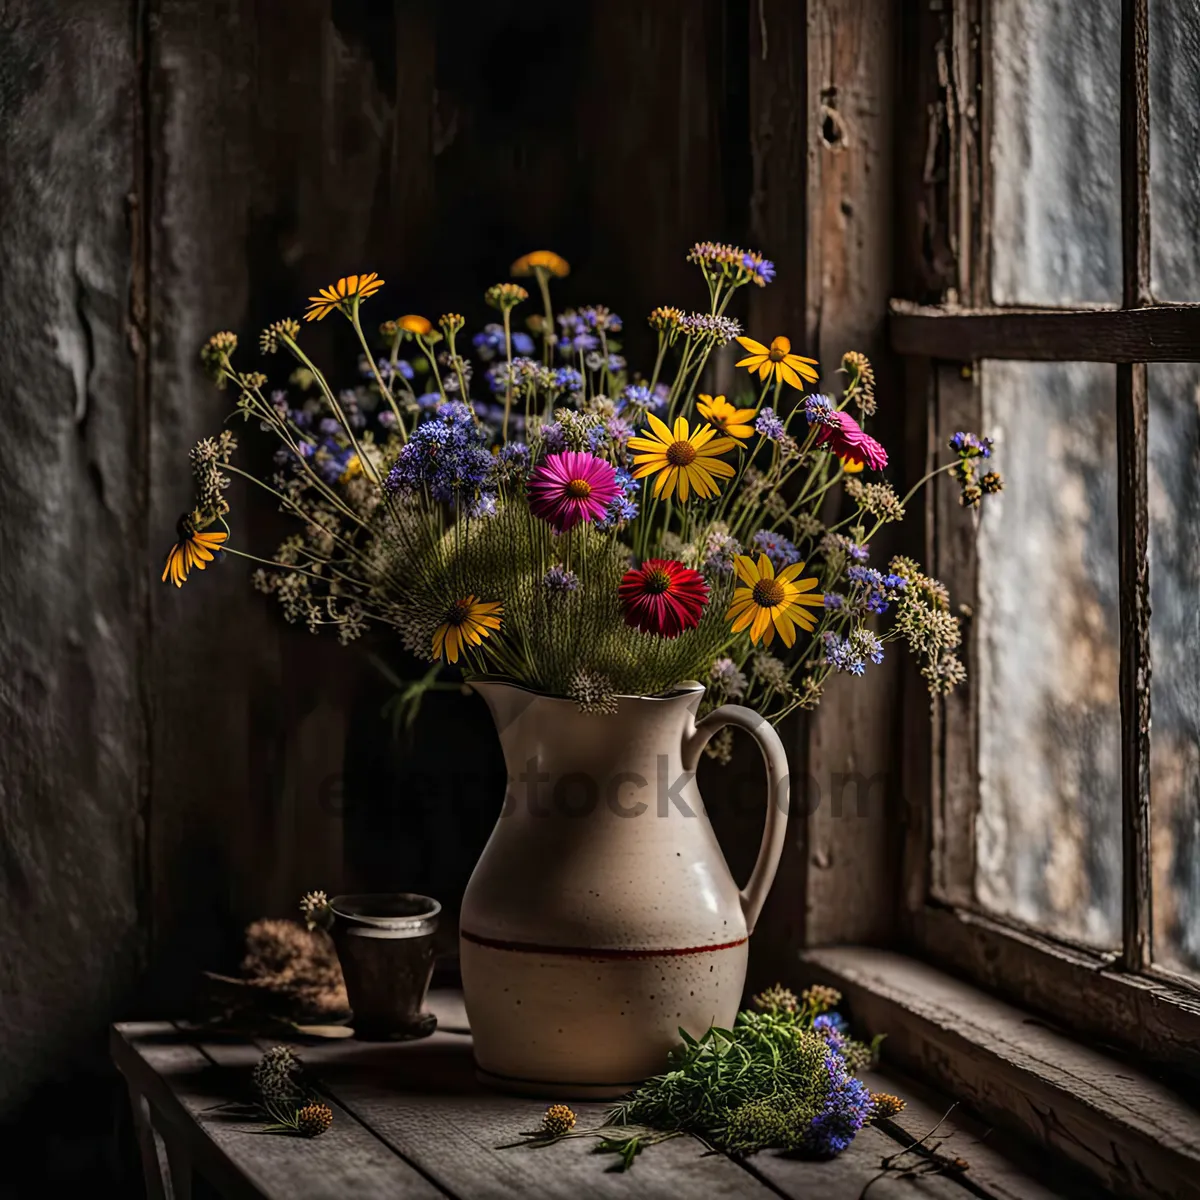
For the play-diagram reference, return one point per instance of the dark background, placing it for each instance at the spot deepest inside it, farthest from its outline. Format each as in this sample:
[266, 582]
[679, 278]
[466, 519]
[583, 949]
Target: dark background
[174, 764]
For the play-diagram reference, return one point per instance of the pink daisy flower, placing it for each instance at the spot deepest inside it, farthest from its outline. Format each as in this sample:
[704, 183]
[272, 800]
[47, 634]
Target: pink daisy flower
[572, 487]
[847, 439]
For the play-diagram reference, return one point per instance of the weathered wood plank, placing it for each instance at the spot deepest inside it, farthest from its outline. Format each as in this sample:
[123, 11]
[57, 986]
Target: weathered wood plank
[1163, 333]
[852, 858]
[423, 1100]
[72, 543]
[273, 145]
[964, 1147]
[1158, 1020]
[859, 1170]
[955, 798]
[186, 1085]
[1133, 518]
[1131, 1132]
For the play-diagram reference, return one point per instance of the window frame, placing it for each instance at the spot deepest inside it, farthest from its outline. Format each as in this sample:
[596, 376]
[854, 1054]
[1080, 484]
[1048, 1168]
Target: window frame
[1120, 996]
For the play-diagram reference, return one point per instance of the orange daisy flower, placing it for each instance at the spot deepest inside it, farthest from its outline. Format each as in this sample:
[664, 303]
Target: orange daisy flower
[778, 360]
[195, 548]
[348, 288]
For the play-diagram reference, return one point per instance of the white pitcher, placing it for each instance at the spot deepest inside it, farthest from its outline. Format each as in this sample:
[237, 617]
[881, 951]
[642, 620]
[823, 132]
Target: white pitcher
[602, 916]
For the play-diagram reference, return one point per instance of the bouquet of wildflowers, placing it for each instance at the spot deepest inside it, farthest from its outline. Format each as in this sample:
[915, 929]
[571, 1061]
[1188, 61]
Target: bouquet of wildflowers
[522, 504]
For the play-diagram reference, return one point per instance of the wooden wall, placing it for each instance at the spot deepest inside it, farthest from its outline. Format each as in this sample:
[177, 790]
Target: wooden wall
[171, 762]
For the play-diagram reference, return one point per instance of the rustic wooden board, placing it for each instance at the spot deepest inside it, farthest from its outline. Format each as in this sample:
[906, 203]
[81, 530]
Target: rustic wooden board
[852, 857]
[1135, 1134]
[858, 1171]
[1164, 333]
[72, 542]
[962, 1147]
[423, 1100]
[187, 1085]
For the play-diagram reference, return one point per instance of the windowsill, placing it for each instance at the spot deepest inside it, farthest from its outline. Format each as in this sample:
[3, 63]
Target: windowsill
[1133, 1133]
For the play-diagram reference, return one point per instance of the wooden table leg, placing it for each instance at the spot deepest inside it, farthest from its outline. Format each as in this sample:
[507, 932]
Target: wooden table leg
[152, 1150]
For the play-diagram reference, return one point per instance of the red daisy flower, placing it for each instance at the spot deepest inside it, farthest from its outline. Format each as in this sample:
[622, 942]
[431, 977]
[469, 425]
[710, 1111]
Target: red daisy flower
[572, 487]
[663, 596]
[848, 440]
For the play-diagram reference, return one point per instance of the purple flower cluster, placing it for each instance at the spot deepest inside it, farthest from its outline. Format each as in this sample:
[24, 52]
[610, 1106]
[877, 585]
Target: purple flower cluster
[448, 456]
[720, 550]
[874, 590]
[970, 445]
[637, 400]
[576, 334]
[777, 548]
[558, 581]
[761, 270]
[386, 371]
[850, 654]
[567, 379]
[846, 1109]
[489, 342]
[623, 507]
[769, 425]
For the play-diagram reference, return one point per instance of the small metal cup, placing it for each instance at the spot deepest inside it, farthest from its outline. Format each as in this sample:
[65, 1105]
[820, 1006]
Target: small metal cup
[385, 944]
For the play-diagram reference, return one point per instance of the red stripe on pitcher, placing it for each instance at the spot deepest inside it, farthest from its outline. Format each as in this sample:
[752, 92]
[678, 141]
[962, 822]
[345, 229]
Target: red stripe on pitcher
[593, 952]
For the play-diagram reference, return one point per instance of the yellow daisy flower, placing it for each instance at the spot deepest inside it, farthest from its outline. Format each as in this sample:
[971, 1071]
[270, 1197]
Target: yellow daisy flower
[682, 459]
[770, 602]
[736, 422]
[777, 359]
[345, 290]
[467, 623]
[195, 548]
[412, 323]
[545, 260]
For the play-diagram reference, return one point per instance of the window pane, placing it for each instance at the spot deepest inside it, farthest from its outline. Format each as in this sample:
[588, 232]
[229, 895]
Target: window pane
[1174, 464]
[1048, 836]
[1175, 149]
[1056, 149]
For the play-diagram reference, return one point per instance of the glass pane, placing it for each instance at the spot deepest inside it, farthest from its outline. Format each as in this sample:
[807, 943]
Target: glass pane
[1056, 149]
[1175, 149]
[1048, 837]
[1174, 464]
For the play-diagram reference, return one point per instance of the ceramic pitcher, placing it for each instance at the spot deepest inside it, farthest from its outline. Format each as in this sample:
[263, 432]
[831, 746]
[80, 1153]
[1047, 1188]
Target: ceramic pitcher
[602, 916]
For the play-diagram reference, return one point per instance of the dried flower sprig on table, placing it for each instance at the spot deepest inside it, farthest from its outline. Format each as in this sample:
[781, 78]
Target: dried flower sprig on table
[524, 505]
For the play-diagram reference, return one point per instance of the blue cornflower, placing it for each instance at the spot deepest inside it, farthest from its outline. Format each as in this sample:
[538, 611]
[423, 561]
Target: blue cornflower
[516, 453]
[970, 445]
[819, 410]
[857, 552]
[640, 399]
[427, 402]
[620, 509]
[897, 583]
[489, 341]
[558, 581]
[626, 482]
[777, 548]
[769, 425]
[567, 379]
[829, 1023]
[522, 343]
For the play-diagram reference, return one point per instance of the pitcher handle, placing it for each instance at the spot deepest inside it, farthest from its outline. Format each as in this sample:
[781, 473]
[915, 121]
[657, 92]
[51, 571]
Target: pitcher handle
[754, 894]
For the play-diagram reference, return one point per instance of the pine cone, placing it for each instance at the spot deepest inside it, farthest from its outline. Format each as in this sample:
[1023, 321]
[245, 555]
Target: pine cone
[559, 1119]
[313, 1119]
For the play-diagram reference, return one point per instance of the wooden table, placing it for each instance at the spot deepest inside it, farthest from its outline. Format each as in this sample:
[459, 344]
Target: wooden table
[410, 1120]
